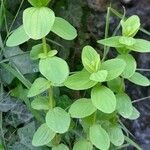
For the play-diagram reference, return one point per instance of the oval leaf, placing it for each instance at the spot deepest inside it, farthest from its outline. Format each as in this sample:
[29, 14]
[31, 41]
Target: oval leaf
[60, 147]
[58, 120]
[79, 81]
[82, 108]
[99, 76]
[130, 26]
[83, 145]
[54, 69]
[43, 135]
[103, 99]
[64, 29]
[135, 114]
[38, 21]
[124, 105]
[90, 59]
[130, 65]
[115, 67]
[111, 42]
[99, 137]
[116, 135]
[117, 85]
[39, 86]
[139, 79]
[40, 103]
[142, 46]
[18, 37]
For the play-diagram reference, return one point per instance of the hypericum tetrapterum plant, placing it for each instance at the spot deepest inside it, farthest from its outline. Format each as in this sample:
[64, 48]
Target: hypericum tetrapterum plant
[99, 113]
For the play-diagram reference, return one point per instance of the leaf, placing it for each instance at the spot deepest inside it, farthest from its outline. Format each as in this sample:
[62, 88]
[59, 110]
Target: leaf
[142, 46]
[39, 3]
[124, 105]
[127, 41]
[64, 29]
[18, 37]
[115, 67]
[39, 86]
[60, 147]
[131, 26]
[54, 69]
[103, 99]
[43, 135]
[90, 59]
[79, 81]
[58, 120]
[135, 114]
[83, 144]
[99, 137]
[116, 135]
[116, 85]
[40, 103]
[35, 51]
[130, 65]
[82, 108]
[99, 76]
[111, 42]
[38, 21]
[139, 79]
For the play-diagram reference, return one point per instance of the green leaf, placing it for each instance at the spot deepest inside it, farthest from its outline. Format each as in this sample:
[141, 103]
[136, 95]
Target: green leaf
[18, 37]
[39, 86]
[131, 26]
[116, 135]
[54, 69]
[83, 144]
[127, 41]
[43, 135]
[142, 46]
[60, 147]
[124, 105]
[115, 67]
[82, 108]
[103, 99]
[99, 137]
[130, 65]
[135, 114]
[58, 120]
[116, 85]
[99, 76]
[80, 81]
[35, 51]
[40, 103]
[90, 59]
[111, 42]
[139, 79]
[38, 21]
[64, 29]
[39, 3]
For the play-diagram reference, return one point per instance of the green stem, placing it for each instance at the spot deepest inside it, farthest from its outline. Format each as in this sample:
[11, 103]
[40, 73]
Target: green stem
[106, 32]
[94, 117]
[44, 45]
[50, 95]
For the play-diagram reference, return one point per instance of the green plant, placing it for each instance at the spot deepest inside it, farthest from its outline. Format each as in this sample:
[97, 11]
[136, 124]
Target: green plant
[103, 81]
